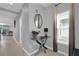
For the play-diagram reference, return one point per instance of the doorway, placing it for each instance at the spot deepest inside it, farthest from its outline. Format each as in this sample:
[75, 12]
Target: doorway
[4, 29]
[63, 41]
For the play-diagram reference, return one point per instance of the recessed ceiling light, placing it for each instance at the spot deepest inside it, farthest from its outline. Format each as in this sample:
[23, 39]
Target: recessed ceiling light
[11, 3]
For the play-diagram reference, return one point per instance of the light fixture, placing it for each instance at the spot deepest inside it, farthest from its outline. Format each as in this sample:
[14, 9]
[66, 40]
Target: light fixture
[11, 3]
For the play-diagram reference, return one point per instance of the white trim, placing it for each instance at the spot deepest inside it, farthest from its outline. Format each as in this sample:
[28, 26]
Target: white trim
[15, 40]
[20, 28]
[30, 54]
[22, 48]
[38, 50]
[51, 48]
[26, 51]
[62, 53]
[34, 52]
[58, 51]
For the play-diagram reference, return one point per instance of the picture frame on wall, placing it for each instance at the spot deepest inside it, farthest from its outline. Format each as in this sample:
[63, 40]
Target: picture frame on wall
[14, 23]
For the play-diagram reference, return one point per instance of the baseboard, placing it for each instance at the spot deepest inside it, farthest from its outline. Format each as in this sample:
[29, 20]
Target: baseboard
[15, 40]
[34, 52]
[38, 50]
[30, 54]
[58, 51]
[26, 51]
[51, 48]
[62, 53]
[22, 48]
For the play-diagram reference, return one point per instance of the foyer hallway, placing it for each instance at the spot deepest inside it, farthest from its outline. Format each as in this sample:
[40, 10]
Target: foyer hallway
[8, 47]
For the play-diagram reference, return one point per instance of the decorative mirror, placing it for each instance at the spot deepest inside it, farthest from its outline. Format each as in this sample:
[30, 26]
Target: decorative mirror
[38, 21]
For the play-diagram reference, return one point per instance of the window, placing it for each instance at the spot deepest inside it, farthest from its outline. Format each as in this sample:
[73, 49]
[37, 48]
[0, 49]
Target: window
[63, 27]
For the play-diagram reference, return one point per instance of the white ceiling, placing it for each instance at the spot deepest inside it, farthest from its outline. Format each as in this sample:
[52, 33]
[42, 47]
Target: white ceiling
[13, 7]
[16, 7]
[8, 10]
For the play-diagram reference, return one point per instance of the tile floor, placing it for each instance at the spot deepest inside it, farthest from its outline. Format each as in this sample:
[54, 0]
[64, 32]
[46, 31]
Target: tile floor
[8, 47]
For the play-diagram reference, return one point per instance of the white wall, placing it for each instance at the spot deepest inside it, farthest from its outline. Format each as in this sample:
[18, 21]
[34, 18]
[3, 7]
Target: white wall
[28, 26]
[47, 15]
[32, 8]
[16, 31]
[48, 22]
[25, 31]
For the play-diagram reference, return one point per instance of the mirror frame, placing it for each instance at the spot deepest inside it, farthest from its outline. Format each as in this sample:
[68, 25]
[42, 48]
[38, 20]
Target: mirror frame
[38, 18]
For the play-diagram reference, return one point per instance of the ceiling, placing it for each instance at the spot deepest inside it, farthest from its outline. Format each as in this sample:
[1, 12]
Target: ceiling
[16, 7]
[46, 4]
[10, 10]
[13, 7]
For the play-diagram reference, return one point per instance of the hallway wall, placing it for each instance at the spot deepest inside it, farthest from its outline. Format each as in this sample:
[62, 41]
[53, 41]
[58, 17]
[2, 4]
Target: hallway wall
[28, 26]
[25, 31]
[16, 31]
[77, 25]
[47, 15]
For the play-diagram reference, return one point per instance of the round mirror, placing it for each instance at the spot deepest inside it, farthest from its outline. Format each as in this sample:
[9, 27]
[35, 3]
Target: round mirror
[38, 21]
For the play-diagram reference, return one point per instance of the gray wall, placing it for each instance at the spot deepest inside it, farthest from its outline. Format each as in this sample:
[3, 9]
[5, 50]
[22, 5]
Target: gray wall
[76, 25]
